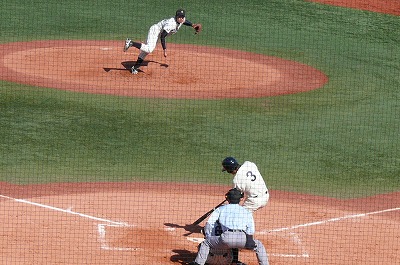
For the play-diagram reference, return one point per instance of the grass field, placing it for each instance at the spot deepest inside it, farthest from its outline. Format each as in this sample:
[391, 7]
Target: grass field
[341, 140]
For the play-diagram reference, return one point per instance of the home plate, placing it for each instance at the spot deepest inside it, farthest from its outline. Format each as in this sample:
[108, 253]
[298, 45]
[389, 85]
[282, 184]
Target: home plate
[195, 239]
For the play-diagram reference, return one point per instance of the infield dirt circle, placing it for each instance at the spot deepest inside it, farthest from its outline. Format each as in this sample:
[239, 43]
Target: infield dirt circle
[189, 72]
[145, 223]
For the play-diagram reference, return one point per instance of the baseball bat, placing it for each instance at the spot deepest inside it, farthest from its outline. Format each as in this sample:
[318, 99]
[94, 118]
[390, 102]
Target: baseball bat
[204, 216]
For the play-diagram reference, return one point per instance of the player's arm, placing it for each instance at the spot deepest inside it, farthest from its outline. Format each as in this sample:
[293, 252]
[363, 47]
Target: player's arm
[197, 26]
[163, 35]
[188, 23]
[208, 228]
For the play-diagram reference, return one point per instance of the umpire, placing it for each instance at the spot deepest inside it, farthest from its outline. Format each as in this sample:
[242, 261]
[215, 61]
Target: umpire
[238, 228]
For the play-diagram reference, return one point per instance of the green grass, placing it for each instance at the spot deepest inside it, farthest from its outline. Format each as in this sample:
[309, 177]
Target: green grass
[340, 140]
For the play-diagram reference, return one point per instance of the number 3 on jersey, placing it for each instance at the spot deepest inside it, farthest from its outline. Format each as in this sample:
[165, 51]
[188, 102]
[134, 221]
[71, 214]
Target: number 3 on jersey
[250, 175]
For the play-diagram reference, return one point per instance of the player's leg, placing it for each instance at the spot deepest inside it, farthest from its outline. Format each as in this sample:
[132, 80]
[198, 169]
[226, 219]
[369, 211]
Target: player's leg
[151, 42]
[253, 204]
[138, 45]
[261, 253]
[204, 250]
[139, 61]
[235, 240]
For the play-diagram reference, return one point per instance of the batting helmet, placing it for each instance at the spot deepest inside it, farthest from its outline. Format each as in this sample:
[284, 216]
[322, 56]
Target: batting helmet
[230, 164]
[233, 196]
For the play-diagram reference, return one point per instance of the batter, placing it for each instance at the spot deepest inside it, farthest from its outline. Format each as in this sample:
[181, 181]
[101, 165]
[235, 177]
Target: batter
[162, 29]
[248, 179]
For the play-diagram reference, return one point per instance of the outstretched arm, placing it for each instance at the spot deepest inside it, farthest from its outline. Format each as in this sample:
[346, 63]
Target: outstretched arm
[188, 23]
[197, 26]
[164, 34]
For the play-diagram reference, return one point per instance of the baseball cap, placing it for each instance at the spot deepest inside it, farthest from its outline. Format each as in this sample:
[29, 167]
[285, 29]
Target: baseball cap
[180, 13]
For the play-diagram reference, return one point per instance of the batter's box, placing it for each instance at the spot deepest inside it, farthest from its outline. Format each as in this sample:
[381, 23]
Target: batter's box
[128, 238]
[284, 245]
[116, 237]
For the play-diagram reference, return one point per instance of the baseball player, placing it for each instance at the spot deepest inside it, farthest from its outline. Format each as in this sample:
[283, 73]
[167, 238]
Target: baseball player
[238, 228]
[247, 178]
[162, 29]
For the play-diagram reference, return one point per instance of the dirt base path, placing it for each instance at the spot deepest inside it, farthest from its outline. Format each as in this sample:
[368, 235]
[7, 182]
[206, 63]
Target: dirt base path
[145, 223]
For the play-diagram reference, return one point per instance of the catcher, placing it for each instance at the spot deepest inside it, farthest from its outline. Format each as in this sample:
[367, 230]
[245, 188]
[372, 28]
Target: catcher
[162, 29]
[237, 228]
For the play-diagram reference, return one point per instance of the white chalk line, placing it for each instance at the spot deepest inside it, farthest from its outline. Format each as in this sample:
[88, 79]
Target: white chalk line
[69, 211]
[294, 236]
[100, 227]
[336, 219]
[296, 239]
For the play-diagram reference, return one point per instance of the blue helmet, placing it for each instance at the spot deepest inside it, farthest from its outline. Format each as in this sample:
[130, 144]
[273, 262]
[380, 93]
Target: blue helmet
[230, 164]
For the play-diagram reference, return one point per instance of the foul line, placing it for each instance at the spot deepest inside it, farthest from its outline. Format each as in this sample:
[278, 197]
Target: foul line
[62, 210]
[327, 221]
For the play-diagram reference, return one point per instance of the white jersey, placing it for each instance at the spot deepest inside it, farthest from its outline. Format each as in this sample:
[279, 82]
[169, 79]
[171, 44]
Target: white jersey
[169, 25]
[248, 180]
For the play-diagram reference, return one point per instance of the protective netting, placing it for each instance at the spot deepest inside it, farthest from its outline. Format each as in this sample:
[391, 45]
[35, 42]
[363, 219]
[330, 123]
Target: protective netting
[122, 132]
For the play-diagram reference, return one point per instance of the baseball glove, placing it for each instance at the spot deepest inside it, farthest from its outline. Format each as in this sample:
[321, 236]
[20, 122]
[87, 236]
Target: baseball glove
[197, 27]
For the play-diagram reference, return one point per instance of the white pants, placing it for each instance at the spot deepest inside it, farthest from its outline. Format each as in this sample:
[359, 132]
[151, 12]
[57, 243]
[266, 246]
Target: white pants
[254, 203]
[151, 42]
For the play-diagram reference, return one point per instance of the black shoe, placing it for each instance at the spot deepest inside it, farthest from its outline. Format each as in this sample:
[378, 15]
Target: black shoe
[193, 263]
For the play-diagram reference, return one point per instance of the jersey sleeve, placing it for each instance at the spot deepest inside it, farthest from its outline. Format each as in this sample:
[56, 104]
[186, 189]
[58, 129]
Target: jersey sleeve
[187, 23]
[163, 35]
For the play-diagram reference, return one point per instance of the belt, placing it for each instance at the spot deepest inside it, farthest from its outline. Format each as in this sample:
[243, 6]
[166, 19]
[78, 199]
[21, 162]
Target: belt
[236, 230]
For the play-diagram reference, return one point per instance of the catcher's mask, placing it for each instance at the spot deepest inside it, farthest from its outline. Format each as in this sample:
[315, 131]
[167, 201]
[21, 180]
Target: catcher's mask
[233, 196]
[230, 164]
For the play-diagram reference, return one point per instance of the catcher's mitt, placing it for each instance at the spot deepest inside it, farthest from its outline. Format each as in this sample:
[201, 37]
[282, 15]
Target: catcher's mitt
[197, 27]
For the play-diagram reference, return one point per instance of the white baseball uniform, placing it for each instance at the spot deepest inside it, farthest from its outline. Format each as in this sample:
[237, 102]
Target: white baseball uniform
[169, 25]
[248, 180]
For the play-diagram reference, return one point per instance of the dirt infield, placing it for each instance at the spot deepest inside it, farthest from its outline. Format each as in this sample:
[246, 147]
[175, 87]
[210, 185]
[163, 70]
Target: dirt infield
[141, 223]
[391, 7]
[145, 223]
[190, 72]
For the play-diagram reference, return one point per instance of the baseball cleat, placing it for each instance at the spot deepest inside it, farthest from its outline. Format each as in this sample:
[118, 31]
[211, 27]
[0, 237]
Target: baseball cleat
[134, 71]
[127, 44]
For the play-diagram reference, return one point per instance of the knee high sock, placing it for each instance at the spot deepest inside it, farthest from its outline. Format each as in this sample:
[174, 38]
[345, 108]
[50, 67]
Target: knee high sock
[137, 45]
[138, 63]
[235, 254]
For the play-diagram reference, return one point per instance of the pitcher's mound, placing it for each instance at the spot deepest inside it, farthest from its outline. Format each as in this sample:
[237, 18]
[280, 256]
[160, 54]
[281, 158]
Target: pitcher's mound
[188, 72]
